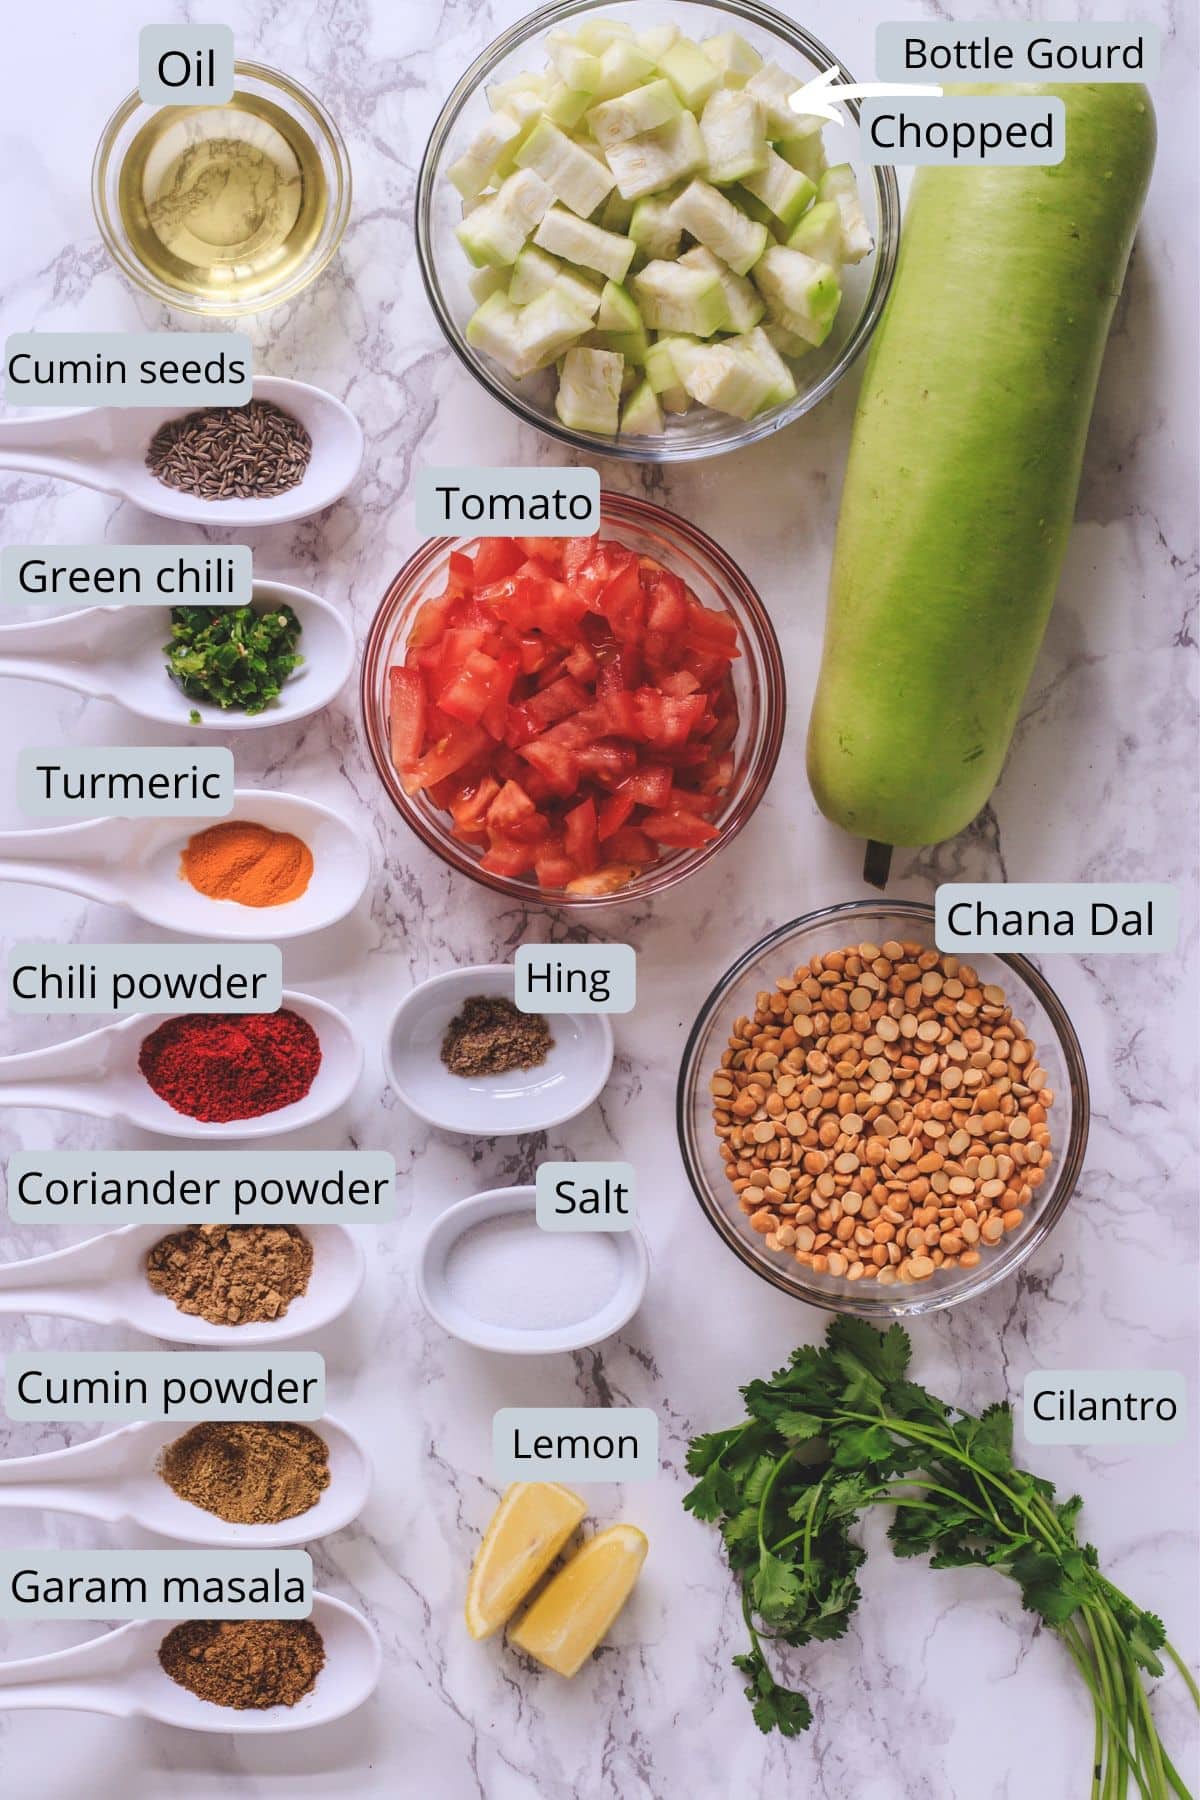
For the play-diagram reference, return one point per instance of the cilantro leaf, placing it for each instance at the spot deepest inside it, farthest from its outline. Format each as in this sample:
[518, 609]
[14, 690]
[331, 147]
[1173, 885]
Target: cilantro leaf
[775, 1708]
[776, 1588]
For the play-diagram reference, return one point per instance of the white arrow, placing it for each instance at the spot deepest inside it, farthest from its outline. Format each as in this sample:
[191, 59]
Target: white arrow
[819, 98]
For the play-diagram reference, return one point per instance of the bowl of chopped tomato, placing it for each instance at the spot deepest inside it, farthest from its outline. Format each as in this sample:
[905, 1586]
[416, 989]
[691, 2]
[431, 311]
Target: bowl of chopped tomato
[581, 720]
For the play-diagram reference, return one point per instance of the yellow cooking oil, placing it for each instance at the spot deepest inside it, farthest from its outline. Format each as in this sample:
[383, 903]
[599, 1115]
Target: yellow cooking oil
[223, 202]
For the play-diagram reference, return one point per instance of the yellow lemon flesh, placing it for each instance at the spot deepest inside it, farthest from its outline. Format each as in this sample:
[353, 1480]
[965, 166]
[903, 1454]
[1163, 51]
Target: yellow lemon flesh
[576, 1609]
[529, 1527]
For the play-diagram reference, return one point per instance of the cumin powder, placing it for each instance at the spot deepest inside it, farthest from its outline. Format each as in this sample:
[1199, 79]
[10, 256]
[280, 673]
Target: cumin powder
[246, 1471]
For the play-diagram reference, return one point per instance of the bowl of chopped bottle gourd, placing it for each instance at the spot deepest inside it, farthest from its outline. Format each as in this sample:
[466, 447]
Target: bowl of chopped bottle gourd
[634, 241]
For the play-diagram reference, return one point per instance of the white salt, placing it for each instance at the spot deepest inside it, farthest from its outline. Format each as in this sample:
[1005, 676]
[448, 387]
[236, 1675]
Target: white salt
[507, 1271]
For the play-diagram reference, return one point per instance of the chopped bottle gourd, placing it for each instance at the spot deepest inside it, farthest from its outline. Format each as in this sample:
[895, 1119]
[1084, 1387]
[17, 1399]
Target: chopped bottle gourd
[645, 191]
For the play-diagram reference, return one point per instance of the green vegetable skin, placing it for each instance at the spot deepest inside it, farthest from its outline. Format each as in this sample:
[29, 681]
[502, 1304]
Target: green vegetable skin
[964, 467]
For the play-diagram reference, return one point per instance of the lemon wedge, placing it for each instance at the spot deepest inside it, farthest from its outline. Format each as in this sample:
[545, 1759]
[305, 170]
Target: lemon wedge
[575, 1610]
[529, 1527]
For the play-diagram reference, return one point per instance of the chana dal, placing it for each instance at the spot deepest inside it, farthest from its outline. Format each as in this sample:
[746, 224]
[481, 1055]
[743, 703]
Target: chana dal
[882, 1115]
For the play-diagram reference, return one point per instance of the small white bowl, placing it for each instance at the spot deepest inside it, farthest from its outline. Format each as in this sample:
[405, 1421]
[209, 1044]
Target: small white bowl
[572, 1076]
[440, 1302]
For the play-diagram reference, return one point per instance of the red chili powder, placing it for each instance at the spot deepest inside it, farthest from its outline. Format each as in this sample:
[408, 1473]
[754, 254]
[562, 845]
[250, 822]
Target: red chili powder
[219, 1066]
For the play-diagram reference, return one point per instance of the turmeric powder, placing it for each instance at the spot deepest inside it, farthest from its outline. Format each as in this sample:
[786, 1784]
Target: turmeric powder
[251, 864]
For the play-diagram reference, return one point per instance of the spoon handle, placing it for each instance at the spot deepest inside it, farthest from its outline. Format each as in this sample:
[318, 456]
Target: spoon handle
[67, 1076]
[58, 1496]
[77, 857]
[72, 676]
[85, 1304]
[64, 1695]
[85, 1678]
[63, 1095]
[67, 446]
[67, 877]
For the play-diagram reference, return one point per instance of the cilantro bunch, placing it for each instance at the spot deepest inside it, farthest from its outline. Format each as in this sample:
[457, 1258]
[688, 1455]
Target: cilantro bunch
[232, 656]
[842, 1428]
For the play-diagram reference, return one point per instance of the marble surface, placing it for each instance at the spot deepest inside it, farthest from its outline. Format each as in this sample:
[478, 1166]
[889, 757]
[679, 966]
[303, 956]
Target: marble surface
[943, 1690]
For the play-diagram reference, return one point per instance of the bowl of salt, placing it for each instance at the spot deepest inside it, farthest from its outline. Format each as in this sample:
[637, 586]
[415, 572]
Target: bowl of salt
[490, 1275]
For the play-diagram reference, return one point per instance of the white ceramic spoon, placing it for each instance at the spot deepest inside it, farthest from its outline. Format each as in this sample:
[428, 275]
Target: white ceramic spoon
[103, 1282]
[120, 1674]
[116, 653]
[134, 863]
[115, 1479]
[105, 447]
[98, 1074]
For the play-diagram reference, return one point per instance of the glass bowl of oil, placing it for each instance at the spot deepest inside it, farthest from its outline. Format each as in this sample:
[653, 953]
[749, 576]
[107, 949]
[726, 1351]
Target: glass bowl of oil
[223, 210]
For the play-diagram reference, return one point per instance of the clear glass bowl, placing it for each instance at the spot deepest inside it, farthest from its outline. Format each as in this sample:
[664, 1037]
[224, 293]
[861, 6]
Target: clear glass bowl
[834, 928]
[307, 116]
[445, 268]
[758, 680]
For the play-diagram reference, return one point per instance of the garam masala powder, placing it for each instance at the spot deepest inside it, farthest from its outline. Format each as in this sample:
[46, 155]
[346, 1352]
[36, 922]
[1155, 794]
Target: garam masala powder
[244, 1663]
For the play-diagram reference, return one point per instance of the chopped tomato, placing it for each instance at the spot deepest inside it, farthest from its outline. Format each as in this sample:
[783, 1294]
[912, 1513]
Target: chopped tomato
[581, 663]
[495, 558]
[553, 866]
[430, 622]
[679, 830]
[469, 692]
[555, 763]
[664, 720]
[534, 654]
[514, 816]
[495, 713]
[623, 603]
[569, 703]
[449, 753]
[608, 880]
[680, 684]
[582, 840]
[668, 608]
[576, 553]
[714, 633]
[714, 777]
[615, 808]
[506, 858]
[606, 762]
[550, 704]
[547, 550]
[469, 809]
[631, 845]
[619, 713]
[406, 716]
[650, 785]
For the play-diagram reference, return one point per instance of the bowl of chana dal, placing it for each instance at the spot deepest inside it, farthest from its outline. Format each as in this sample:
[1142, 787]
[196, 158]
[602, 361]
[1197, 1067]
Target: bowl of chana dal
[877, 1127]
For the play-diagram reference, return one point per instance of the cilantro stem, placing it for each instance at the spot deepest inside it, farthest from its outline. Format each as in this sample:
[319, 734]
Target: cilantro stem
[946, 1446]
[1183, 1669]
[1070, 1634]
[772, 1478]
[1108, 1666]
